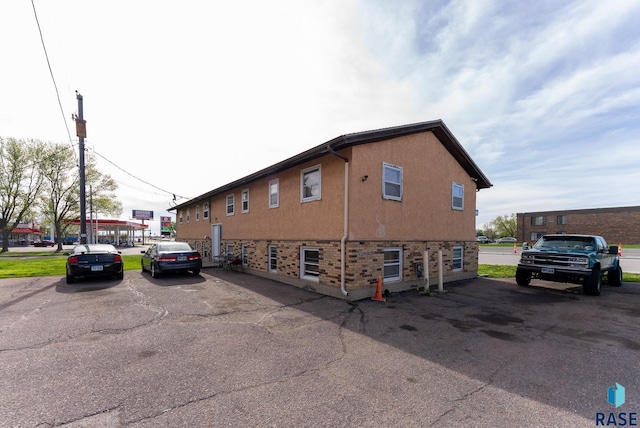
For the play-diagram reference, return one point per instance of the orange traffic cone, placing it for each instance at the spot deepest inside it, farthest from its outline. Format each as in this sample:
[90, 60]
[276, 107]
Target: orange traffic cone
[514, 249]
[378, 297]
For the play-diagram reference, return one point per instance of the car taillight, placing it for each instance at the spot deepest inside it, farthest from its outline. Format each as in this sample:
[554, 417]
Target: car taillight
[166, 259]
[195, 257]
[73, 260]
[117, 258]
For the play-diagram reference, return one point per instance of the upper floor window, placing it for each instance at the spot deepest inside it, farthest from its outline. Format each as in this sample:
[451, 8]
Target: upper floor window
[180, 216]
[245, 201]
[562, 219]
[457, 196]
[274, 193]
[188, 215]
[391, 182]
[231, 204]
[537, 221]
[311, 184]
[205, 210]
[197, 212]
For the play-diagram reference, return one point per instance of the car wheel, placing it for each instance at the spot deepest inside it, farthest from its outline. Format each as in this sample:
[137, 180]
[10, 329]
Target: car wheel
[154, 272]
[615, 277]
[593, 283]
[523, 277]
[196, 271]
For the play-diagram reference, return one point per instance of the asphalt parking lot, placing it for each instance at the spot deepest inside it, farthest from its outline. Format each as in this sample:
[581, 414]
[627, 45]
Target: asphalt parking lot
[229, 349]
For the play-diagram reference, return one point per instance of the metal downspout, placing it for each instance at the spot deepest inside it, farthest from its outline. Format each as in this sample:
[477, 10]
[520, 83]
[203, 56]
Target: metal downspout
[345, 235]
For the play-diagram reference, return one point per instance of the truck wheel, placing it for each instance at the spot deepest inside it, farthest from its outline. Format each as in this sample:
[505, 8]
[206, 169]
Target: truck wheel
[592, 283]
[523, 277]
[615, 277]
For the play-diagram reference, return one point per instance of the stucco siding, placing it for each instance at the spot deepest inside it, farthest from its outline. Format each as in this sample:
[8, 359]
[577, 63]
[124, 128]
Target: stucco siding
[425, 210]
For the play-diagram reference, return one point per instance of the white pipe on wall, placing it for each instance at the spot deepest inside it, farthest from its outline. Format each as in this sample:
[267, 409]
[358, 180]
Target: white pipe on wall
[343, 250]
[440, 284]
[425, 269]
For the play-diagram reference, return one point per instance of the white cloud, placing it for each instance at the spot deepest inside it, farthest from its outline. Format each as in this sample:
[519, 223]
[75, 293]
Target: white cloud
[213, 91]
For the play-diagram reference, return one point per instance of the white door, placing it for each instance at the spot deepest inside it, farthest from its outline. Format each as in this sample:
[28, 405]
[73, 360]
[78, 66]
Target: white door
[216, 236]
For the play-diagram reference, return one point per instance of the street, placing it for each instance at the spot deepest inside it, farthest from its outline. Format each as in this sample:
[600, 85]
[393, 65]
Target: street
[490, 255]
[230, 349]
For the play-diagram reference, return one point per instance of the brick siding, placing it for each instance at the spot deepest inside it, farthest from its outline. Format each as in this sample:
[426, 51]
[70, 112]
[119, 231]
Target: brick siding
[615, 225]
[364, 261]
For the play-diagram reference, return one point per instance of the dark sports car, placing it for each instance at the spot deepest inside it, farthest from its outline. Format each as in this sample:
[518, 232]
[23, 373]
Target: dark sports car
[171, 256]
[44, 243]
[89, 260]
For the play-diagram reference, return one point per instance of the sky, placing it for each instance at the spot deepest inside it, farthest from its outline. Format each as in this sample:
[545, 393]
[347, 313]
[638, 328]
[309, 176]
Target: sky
[183, 97]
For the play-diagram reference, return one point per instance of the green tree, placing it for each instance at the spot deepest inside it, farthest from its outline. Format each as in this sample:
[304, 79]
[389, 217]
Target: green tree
[60, 198]
[20, 182]
[505, 225]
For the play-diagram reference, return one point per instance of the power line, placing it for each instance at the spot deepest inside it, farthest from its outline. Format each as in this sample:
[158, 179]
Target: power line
[140, 179]
[55, 85]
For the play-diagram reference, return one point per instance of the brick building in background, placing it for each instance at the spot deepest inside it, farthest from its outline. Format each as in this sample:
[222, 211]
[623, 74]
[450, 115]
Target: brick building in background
[615, 225]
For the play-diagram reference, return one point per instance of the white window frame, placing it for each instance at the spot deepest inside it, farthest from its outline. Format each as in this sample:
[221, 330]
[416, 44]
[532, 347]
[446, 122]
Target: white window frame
[274, 182]
[244, 201]
[243, 255]
[205, 210]
[393, 262]
[188, 215]
[389, 166]
[231, 205]
[272, 258]
[457, 186]
[457, 262]
[304, 273]
[197, 212]
[307, 171]
[180, 216]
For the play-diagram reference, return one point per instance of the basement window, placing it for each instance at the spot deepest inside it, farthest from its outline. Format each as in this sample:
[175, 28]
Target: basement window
[392, 264]
[310, 263]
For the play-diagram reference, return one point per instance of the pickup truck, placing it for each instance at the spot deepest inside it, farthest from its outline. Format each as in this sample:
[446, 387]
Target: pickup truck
[579, 259]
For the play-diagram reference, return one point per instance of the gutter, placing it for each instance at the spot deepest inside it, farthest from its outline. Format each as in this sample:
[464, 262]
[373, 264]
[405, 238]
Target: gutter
[343, 240]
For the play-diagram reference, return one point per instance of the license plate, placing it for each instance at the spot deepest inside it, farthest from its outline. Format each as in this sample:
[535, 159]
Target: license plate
[182, 258]
[548, 270]
[96, 268]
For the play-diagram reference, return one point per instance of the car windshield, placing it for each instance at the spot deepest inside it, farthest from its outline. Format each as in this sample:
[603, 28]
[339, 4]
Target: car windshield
[565, 243]
[174, 246]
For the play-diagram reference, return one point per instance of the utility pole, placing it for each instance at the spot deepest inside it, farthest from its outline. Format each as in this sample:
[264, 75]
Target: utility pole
[81, 132]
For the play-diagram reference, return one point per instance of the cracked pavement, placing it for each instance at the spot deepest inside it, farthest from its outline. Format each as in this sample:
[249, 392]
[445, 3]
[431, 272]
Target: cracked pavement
[229, 349]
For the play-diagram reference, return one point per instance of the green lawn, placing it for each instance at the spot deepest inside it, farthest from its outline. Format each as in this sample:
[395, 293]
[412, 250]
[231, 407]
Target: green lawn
[30, 264]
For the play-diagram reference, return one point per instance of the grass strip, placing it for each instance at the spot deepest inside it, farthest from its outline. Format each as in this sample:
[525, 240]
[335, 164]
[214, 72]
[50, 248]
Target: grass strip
[25, 267]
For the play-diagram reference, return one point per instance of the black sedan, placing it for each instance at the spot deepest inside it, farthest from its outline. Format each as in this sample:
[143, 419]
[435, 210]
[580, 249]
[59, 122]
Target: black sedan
[44, 243]
[87, 260]
[171, 257]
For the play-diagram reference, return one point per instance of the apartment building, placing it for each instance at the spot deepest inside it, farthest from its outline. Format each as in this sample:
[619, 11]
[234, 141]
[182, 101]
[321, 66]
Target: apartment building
[338, 216]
